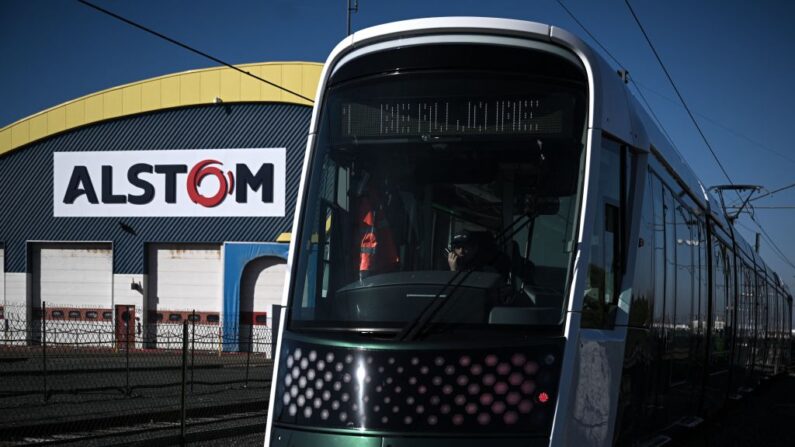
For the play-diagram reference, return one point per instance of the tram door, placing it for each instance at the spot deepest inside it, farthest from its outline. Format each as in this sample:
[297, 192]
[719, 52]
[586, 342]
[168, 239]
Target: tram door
[125, 327]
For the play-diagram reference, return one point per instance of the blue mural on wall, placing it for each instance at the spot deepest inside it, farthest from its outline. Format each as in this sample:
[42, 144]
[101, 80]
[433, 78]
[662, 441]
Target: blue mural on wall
[236, 256]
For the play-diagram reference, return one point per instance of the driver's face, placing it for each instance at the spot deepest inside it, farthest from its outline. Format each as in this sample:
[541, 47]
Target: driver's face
[462, 251]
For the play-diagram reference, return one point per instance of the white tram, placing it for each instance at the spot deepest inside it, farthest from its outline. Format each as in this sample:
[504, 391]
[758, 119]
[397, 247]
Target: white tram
[494, 243]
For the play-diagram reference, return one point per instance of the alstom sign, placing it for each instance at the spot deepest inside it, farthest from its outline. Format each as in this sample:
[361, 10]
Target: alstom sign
[170, 183]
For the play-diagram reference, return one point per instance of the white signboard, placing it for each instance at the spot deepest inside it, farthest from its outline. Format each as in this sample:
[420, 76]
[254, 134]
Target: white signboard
[169, 183]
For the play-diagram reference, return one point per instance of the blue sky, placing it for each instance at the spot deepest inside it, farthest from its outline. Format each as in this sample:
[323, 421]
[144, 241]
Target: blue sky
[730, 59]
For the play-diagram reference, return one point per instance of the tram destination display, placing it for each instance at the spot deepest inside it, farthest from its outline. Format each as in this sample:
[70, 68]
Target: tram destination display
[460, 116]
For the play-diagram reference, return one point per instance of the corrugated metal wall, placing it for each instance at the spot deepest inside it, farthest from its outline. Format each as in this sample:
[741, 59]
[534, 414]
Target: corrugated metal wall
[26, 202]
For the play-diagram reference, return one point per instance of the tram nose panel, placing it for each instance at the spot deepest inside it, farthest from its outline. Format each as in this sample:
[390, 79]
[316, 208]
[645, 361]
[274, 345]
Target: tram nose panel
[490, 390]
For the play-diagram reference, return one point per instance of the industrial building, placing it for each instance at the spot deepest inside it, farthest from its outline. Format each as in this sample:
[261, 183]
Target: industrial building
[157, 198]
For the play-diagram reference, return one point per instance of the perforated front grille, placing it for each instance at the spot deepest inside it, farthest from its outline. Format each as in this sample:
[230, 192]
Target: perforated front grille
[423, 390]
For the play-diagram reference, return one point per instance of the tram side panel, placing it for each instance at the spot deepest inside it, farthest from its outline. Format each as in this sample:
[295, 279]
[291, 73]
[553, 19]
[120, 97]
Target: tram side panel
[669, 355]
[640, 375]
[726, 340]
[721, 321]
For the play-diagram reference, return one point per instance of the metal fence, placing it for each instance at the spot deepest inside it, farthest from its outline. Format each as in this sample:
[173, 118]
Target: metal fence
[60, 377]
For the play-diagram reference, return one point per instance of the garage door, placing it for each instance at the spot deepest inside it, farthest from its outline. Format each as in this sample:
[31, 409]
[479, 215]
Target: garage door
[72, 275]
[2, 276]
[184, 277]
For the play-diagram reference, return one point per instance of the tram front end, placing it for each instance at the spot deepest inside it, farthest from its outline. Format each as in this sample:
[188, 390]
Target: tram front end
[435, 236]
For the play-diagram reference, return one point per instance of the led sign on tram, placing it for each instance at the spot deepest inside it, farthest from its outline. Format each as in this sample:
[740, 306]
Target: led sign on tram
[457, 116]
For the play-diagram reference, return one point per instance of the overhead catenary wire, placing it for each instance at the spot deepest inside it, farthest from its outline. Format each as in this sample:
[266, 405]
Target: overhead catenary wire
[639, 86]
[775, 248]
[773, 192]
[779, 207]
[191, 49]
[767, 237]
[678, 94]
[619, 64]
[724, 127]
[684, 104]
[573, 17]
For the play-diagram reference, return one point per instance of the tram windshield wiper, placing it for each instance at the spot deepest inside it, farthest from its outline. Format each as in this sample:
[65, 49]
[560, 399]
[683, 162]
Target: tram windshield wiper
[370, 332]
[445, 294]
[535, 206]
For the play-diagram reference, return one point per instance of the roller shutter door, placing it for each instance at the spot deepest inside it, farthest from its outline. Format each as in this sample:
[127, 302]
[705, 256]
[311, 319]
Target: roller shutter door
[2, 276]
[73, 275]
[185, 277]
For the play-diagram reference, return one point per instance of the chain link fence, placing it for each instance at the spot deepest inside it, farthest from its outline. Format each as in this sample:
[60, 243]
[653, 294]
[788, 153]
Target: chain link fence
[59, 376]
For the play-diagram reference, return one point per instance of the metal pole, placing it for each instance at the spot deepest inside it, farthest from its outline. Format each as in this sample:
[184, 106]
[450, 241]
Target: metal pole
[184, 377]
[127, 348]
[350, 10]
[44, 347]
[192, 347]
[250, 347]
[276, 309]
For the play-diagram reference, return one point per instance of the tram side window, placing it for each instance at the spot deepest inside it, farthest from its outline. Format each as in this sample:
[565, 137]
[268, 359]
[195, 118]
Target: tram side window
[721, 338]
[659, 254]
[670, 219]
[762, 307]
[788, 329]
[759, 310]
[684, 292]
[641, 311]
[334, 197]
[603, 282]
[703, 278]
[747, 303]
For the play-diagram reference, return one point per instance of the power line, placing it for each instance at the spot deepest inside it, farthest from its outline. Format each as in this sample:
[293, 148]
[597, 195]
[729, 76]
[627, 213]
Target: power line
[773, 244]
[722, 126]
[767, 237]
[690, 114]
[778, 207]
[571, 14]
[620, 65]
[670, 79]
[773, 192]
[648, 106]
[777, 253]
[191, 49]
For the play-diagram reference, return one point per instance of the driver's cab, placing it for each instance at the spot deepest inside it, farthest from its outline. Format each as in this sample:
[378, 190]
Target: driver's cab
[389, 218]
[404, 161]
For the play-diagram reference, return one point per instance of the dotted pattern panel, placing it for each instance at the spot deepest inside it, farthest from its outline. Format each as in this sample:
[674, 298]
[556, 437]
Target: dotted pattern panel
[502, 389]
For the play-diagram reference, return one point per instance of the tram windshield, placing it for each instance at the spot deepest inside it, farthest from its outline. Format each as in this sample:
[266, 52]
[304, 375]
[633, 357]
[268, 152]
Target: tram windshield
[439, 204]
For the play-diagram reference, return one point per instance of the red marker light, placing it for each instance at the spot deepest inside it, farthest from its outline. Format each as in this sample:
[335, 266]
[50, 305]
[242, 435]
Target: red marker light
[543, 397]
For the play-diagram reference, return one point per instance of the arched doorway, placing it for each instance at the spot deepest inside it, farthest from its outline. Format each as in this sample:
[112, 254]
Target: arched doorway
[261, 285]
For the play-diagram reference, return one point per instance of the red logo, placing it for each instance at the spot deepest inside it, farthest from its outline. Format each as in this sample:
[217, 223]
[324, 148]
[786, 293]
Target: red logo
[203, 169]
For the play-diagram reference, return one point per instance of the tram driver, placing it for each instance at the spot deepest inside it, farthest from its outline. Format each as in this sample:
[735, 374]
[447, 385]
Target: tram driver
[477, 251]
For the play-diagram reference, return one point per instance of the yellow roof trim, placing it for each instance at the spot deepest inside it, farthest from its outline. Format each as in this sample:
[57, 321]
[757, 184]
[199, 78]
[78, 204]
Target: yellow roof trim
[188, 88]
